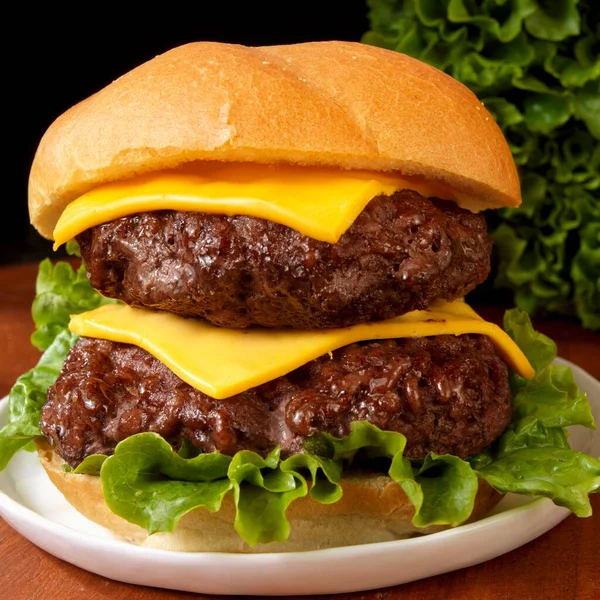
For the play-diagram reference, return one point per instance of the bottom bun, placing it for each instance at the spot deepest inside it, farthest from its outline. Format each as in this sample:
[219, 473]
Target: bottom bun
[372, 509]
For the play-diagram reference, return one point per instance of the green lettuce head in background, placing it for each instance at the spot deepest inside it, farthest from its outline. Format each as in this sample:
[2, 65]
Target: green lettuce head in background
[535, 64]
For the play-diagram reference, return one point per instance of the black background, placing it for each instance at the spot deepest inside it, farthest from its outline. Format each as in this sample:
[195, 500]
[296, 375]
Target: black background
[54, 58]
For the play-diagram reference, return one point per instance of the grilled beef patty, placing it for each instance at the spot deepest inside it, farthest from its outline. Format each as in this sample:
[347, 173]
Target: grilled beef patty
[401, 253]
[447, 394]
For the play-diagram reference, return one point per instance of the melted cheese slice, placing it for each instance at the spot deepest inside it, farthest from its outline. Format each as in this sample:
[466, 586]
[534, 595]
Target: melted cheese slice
[320, 203]
[224, 362]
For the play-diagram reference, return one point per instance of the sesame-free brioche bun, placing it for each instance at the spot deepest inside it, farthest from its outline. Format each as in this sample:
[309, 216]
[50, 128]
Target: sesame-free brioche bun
[373, 509]
[340, 104]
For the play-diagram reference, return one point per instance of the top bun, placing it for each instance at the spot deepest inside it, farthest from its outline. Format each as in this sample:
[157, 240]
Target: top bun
[340, 104]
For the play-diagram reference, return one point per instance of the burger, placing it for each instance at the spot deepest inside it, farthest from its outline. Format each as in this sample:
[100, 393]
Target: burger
[278, 356]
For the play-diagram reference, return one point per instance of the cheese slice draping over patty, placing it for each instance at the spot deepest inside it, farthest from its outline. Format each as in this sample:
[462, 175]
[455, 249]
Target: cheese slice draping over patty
[321, 203]
[223, 362]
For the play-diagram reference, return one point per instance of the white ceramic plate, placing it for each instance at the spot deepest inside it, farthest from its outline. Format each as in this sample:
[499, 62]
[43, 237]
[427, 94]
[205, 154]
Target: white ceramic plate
[31, 504]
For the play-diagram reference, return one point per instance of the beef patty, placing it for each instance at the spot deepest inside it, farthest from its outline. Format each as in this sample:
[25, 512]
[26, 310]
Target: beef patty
[400, 254]
[447, 394]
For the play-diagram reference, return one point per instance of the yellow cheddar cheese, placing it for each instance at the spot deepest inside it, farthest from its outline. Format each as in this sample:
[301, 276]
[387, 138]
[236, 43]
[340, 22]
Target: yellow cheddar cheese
[321, 203]
[224, 362]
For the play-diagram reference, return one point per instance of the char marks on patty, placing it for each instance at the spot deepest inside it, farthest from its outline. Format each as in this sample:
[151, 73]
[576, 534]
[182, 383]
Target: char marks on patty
[401, 253]
[447, 394]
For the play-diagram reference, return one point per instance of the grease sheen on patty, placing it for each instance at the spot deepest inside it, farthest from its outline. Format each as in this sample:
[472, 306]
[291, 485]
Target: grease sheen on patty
[402, 252]
[447, 394]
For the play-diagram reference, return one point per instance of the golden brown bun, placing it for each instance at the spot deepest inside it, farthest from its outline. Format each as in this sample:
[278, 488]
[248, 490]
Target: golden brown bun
[372, 509]
[341, 104]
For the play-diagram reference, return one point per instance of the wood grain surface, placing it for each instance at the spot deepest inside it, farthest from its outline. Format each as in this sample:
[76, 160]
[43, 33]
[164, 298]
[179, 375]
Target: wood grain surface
[562, 564]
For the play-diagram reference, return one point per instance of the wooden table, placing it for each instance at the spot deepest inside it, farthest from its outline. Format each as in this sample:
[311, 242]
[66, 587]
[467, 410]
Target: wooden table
[563, 564]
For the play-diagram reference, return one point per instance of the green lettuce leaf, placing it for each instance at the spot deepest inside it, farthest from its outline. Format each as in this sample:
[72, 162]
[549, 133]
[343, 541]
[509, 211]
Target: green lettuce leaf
[448, 489]
[528, 433]
[148, 483]
[532, 457]
[90, 465]
[536, 67]
[72, 248]
[554, 400]
[28, 396]
[554, 20]
[586, 275]
[61, 291]
[566, 476]
[262, 493]
[545, 112]
[424, 490]
[539, 349]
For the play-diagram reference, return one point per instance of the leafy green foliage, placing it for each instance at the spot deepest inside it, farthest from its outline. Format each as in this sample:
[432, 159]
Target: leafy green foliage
[532, 456]
[149, 484]
[61, 291]
[28, 396]
[574, 476]
[553, 399]
[539, 349]
[536, 66]
[91, 465]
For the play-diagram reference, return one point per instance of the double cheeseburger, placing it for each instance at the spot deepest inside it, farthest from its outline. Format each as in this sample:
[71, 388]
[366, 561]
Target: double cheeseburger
[289, 232]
